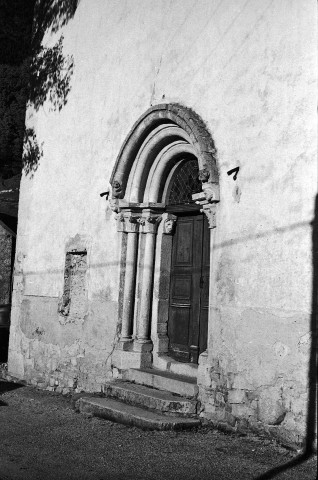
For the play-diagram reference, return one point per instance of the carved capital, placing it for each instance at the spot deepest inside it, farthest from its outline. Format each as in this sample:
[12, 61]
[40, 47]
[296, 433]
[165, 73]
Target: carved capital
[210, 212]
[127, 222]
[149, 222]
[169, 223]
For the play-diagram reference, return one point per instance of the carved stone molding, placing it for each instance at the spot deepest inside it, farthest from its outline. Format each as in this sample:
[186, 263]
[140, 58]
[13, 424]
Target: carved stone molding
[210, 212]
[208, 199]
[113, 204]
[211, 192]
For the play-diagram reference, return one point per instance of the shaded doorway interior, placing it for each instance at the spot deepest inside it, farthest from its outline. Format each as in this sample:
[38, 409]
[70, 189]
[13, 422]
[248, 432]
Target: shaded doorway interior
[190, 265]
[189, 288]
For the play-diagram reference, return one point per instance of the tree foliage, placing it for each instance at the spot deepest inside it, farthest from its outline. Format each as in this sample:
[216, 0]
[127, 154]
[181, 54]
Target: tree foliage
[30, 74]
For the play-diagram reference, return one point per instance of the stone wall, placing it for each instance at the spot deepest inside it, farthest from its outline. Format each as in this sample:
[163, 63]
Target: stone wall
[249, 70]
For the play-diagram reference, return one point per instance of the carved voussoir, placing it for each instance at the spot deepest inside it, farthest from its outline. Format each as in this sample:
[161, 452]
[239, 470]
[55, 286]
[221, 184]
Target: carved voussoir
[116, 189]
[204, 175]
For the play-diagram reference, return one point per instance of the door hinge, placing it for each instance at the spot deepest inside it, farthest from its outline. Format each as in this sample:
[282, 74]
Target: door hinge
[201, 282]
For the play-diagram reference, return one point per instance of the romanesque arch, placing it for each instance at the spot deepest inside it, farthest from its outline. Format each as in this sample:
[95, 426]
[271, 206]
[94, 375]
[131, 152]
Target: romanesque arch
[153, 151]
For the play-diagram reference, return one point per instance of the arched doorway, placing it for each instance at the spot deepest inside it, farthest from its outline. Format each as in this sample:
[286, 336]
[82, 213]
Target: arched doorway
[164, 182]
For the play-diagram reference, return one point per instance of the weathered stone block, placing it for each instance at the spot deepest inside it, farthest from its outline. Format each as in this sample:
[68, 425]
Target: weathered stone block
[215, 376]
[241, 383]
[209, 409]
[229, 381]
[271, 408]
[70, 383]
[299, 405]
[204, 377]
[241, 410]
[219, 399]
[230, 419]
[41, 385]
[236, 396]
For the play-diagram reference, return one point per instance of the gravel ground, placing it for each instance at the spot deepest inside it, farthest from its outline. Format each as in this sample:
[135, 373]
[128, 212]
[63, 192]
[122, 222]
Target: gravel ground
[43, 438]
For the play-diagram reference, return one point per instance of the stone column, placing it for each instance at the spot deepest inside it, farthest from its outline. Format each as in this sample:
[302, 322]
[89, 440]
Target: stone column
[208, 199]
[128, 223]
[161, 289]
[149, 223]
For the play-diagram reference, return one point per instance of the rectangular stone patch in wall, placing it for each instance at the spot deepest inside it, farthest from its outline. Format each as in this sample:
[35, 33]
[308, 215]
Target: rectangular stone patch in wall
[73, 307]
[6, 245]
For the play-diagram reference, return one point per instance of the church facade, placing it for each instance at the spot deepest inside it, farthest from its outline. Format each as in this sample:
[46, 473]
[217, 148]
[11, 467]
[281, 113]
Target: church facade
[168, 223]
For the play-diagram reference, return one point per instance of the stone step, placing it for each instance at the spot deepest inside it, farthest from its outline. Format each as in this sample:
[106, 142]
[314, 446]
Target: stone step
[140, 395]
[170, 382]
[168, 364]
[117, 411]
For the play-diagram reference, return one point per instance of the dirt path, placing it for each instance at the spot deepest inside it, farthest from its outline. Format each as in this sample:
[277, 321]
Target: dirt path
[43, 438]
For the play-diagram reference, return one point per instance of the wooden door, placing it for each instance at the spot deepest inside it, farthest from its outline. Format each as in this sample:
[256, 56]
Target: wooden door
[189, 288]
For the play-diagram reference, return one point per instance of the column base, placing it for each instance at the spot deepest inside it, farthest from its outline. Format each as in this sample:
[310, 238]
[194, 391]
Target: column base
[143, 346]
[125, 345]
[124, 360]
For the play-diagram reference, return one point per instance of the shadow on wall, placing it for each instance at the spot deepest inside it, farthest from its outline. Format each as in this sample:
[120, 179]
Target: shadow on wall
[37, 75]
[311, 428]
[50, 71]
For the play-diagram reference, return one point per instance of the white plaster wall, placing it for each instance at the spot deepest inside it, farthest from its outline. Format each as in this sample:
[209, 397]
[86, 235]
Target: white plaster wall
[248, 68]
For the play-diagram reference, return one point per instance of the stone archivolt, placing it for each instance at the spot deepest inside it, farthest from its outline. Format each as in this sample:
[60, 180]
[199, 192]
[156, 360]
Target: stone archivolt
[159, 143]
